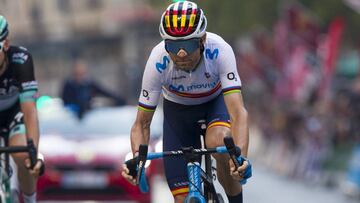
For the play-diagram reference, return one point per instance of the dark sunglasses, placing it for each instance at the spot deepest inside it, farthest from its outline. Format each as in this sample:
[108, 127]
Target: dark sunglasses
[190, 45]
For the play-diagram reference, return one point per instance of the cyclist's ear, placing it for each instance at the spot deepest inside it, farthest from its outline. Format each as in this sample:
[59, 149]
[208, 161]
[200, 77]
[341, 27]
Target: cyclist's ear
[6, 44]
[202, 39]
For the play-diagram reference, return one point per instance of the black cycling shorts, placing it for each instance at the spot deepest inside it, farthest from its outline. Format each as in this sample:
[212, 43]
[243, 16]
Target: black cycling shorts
[12, 121]
[181, 129]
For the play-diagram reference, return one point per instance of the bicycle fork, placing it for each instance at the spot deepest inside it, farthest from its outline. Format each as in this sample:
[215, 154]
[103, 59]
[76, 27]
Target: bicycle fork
[195, 189]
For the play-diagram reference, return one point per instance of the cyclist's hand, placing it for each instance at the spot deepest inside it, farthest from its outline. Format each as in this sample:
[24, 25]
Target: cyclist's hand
[129, 170]
[38, 169]
[243, 172]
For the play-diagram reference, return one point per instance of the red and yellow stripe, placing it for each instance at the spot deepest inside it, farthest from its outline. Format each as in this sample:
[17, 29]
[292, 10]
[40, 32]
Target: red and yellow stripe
[180, 191]
[219, 123]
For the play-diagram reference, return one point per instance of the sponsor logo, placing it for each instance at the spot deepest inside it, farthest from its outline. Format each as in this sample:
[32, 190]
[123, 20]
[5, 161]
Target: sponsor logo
[160, 67]
[177, 88]
[207, 75]
[181, 88]
[178, 78]
[29, 85]
[211, 54]
[20, 58]
[201, 86]
[180, 184]
[231, 76]
[145, 94]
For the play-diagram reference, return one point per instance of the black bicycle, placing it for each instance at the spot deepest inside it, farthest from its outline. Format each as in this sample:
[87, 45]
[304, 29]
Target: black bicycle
[6, 170]
[201, 186]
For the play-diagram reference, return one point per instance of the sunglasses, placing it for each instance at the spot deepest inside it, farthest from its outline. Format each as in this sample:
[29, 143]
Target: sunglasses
[190, 45]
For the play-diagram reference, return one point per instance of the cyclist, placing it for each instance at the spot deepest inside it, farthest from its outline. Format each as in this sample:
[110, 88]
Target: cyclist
[196, 72]
[18, 92]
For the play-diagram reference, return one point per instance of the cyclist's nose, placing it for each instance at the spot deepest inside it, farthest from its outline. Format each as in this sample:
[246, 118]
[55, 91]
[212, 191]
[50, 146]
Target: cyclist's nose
[182, 53]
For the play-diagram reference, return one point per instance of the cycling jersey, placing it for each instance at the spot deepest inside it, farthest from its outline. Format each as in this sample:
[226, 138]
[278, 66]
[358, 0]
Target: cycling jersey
[215, 73]
[17, 83]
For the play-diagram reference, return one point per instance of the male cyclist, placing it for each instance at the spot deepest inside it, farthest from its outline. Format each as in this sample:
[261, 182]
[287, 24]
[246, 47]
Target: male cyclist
[18, 116]
[196, 72]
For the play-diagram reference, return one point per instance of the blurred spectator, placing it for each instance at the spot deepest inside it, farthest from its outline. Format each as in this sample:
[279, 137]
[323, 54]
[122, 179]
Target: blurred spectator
[79, 90]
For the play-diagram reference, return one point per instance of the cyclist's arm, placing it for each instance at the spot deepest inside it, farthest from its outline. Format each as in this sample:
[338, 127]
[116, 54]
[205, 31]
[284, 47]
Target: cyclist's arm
[148, 100]
[239, 121]
[231, 87]
[24, 72]
[31, 121]
[140, 131]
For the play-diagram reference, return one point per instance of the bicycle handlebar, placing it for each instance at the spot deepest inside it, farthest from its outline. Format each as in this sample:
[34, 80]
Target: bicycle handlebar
[234, 152]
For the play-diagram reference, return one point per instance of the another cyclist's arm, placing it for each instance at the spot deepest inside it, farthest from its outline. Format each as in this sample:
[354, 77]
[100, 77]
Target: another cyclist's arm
[24, 71]
[31, 121]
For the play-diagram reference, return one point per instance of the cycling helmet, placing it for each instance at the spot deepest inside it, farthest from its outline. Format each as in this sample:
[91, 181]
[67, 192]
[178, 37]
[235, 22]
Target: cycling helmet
[3, 28]
[182, 20]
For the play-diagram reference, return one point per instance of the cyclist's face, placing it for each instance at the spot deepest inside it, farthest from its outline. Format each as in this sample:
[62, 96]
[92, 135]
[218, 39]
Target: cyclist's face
[3, 47]
[186, 54]
[185, 61]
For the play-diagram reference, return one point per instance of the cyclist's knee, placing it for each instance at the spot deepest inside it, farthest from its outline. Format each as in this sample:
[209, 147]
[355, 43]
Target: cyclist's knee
[19, 158]
[221, 158]
[214, 136]
[180, 198]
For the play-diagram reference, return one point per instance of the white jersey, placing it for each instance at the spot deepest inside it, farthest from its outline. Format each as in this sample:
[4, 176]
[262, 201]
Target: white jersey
[215, 73]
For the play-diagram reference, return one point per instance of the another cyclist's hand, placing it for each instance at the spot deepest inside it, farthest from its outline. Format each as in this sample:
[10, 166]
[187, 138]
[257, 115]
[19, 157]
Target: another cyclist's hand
[243, 172]
[129, 170]
[38, 169]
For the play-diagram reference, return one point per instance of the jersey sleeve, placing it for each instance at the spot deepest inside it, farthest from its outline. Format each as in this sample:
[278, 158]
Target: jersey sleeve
[151, 85]
[24, 71]
[23, 65]
[230, 79]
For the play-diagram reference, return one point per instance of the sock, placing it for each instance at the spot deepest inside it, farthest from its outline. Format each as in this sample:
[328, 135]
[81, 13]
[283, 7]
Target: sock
[235, 199]
[30, 198]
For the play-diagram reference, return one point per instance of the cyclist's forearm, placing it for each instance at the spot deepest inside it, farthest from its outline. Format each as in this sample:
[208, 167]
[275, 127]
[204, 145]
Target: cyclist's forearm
[31, 124]
[240, 131]
[140, 134]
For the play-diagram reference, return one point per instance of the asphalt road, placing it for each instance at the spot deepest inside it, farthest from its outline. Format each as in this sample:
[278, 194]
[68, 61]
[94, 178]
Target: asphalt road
[266, 187]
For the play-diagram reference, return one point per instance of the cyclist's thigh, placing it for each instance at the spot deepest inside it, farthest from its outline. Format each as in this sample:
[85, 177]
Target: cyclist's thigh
[180, 130]
[218, 122]
[16, 128]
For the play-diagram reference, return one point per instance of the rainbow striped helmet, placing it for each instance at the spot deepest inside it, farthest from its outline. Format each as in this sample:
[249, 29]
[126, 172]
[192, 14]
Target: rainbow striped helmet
[182, 20]
[3, 28]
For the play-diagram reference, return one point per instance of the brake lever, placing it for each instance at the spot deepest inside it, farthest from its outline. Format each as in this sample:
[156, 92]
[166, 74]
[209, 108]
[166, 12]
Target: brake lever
[143, 150]
[32, 153]
[233, 150]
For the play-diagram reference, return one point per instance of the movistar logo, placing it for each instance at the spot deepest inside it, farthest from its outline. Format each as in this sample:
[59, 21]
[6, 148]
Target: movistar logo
[211, 54]
[179, 88]
[160, 67]
[201, 86]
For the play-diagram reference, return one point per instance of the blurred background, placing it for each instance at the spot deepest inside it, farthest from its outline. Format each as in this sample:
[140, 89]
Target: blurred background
[299, 62]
